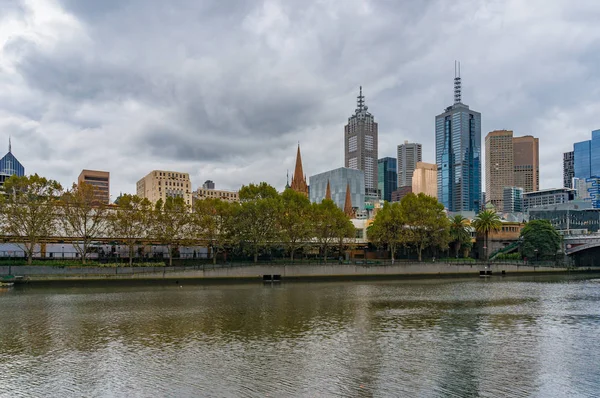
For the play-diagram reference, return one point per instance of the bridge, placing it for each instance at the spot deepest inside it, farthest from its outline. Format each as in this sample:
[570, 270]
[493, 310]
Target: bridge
[578, 243]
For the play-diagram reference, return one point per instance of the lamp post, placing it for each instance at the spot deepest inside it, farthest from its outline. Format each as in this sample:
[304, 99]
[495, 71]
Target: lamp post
[536, 255]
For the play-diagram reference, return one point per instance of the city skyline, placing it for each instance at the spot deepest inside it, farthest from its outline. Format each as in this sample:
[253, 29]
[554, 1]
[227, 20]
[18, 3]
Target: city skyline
[81, 90]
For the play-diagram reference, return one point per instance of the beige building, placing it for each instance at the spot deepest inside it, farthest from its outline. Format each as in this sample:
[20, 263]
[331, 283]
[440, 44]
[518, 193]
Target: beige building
[160, 184]
[100, 180]
[205, 193]
[499, 166]
[424, 179]
[527, 163]
[510, 162]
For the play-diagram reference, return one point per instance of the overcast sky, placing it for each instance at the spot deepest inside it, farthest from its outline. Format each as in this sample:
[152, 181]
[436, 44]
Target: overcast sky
[225, 89]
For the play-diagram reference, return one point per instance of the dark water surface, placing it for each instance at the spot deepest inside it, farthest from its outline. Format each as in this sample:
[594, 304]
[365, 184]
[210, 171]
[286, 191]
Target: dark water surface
[512, 337]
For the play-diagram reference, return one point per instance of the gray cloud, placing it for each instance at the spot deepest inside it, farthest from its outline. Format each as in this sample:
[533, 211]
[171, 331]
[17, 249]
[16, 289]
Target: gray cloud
[225, 89]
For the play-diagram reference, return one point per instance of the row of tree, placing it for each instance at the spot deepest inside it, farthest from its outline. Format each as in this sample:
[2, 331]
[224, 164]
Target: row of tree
[34, 208]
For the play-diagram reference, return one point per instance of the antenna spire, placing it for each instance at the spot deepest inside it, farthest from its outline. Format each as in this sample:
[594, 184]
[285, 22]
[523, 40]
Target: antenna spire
[360, 100]
[9, 145]
[457, 83]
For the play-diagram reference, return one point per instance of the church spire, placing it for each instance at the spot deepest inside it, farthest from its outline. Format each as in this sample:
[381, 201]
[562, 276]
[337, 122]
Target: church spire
[298, 179]
[328, 191]
[348, 210]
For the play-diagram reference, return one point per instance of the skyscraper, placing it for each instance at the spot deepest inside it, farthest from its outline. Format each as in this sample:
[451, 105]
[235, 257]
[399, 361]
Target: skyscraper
[9, 165]
[424, 179]
[586, 160]
[513, 200]
[458, 154]
[408, 156]
[527, 163]
[387, 177]
[360, 142]
[568, 169]
[499, 165]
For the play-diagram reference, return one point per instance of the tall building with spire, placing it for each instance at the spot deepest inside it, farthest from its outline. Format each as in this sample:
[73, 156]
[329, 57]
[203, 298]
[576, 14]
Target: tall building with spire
[458, 154]
[299, 179]
[360, 145]
[9, 165]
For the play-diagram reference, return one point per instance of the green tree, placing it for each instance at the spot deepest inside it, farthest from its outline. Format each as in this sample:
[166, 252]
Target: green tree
[485, 223]
[425, 221]
[29, 208]
[330, 225]
[294, 221]
[130, 221]
[213, 222]
[256, 218]
[539, 235]
[387, 228]
[83, 217]
[169, 223]
[459, 232]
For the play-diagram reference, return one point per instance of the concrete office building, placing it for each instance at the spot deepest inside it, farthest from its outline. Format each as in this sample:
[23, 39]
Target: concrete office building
[408, 156]
[206, 193]
[100, 180]
[360, 145]
[458, 155]
[546, 197]
[161, 184]
[339, 180]
[527, 163]
[387, 177]
[424, 179]
[568, 169]
[499, 166]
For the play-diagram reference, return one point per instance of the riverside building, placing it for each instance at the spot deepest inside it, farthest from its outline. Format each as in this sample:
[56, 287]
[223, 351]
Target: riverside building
[339, 181]
[162, 184]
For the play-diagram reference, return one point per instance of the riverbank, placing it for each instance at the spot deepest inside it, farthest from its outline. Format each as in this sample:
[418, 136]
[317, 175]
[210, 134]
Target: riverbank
[261, 272]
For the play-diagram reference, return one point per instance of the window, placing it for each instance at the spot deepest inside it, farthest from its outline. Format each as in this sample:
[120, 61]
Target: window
[352, 144]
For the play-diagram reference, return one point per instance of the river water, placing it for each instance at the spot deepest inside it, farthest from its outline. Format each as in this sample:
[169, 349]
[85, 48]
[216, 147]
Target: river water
[510, 337]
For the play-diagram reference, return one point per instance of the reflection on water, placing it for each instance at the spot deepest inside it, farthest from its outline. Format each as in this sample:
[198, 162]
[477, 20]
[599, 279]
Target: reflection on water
[446, 338]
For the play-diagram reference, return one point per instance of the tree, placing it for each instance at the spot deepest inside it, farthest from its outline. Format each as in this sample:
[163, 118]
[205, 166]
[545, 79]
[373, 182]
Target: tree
[425, 222]
[330, 225]
[212, 220]
[388, 228]
[130, 221]
[83, 217]
[539, 240]
[169, 222]
[256, 218]
[459, 232]
[29, 210]
[486, 222]
[294, 221]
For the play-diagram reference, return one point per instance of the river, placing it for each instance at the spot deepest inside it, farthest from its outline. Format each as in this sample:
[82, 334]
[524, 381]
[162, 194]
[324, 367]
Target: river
[498, 337]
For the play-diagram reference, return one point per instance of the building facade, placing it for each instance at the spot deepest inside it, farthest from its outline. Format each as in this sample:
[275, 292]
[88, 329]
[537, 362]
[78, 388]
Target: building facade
[586, 162]
[204, 193]
[339, 180]
[499, 166]
[424, 179]
[401, 192]
[408, 156]
[161, 184]
[208, 184]
[588, 190]
[9, 166]
[458, 155]
[513, 200]
[527, 163]
[100, 180]
[360, 145]
[547, 197]
[387, 177]
[568, 169]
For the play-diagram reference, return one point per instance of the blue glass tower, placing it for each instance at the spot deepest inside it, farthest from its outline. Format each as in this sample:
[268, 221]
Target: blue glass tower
[586, 164]
[387, 181]
[458, 155]
[9, 165]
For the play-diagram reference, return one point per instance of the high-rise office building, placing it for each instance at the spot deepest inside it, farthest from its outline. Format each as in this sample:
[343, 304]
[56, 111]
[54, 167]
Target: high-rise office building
[360, 145]
[100, 181]
[499, 165]
[387, 177]
[408, 156]
[338, 181]
[527, 163]
[9, 165]
[568, 169]
[458, 154]
[208, 184]
[513, 200]
[424, 179]
[586, 162]
[160, 184]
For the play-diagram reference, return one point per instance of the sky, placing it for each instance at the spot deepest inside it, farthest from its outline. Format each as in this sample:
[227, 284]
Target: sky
[225, 90]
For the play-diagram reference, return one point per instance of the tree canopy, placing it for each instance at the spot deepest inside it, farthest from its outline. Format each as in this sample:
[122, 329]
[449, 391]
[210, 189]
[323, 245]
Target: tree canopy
[539, 235]
[485, 223]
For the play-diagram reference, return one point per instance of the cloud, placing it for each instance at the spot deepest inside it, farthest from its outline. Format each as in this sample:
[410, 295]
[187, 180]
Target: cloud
[225, 90]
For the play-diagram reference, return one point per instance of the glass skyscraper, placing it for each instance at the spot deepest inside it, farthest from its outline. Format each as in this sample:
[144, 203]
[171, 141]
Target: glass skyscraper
[9, 165]
[458, 155]
[387, 181]
[586, 164]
